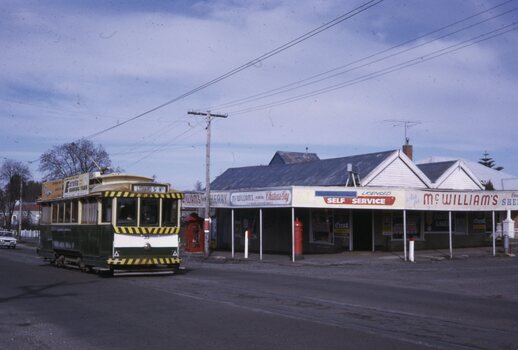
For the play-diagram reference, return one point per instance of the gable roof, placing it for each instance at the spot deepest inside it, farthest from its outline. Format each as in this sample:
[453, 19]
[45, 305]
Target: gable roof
[325, 172]
[499, 179]
[453, 174]
[435, 170]
[282, 157]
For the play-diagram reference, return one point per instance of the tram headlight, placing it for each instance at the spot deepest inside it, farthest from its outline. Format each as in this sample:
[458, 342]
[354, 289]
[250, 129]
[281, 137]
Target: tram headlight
[147, 246]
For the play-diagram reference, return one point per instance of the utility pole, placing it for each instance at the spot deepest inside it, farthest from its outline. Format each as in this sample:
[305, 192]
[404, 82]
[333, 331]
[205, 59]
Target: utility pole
[208, 118]
[20, 211]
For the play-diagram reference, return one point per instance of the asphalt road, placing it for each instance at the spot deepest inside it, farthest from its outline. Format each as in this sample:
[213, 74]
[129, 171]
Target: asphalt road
[460, 304]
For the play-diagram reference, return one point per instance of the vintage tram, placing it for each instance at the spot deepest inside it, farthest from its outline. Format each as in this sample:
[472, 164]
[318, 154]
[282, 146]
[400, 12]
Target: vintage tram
[115, 223]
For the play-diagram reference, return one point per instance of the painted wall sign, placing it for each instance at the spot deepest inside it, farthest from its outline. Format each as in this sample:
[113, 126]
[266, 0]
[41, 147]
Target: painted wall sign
[261, 198]
[197, 199]
[358, 198]
[473, 200]
[76, 185]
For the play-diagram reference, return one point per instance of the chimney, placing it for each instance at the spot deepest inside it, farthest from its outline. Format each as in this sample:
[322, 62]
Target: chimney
[408, 150]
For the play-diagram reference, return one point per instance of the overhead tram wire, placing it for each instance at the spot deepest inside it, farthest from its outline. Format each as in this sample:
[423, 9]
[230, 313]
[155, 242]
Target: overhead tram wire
[423, 58]
[251, 63]
[311, 80]
[176, 138]
[155, 134]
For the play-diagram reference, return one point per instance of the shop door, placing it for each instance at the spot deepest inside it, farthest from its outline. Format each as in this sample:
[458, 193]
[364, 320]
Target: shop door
[362, 230]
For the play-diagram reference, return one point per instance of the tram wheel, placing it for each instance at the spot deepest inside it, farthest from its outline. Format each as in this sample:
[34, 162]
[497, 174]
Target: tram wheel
[60, 261]
[83, 267]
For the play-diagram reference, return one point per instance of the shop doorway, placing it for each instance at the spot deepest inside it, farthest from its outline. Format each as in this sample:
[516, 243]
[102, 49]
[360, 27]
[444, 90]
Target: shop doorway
[362, 230]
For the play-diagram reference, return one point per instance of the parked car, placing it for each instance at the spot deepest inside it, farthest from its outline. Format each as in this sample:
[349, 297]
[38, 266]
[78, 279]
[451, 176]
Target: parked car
[7, 240]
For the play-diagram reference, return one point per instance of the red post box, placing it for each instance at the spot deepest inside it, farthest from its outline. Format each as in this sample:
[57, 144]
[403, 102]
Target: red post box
[298, 239]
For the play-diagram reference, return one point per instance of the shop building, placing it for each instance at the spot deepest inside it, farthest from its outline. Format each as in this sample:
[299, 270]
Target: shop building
[370, 202]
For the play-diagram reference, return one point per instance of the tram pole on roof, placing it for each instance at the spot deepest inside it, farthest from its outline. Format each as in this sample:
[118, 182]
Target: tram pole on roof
[208, 118]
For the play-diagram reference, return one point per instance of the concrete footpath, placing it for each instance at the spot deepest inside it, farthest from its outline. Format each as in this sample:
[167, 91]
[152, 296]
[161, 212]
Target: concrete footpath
[337, 259]
[349, 258]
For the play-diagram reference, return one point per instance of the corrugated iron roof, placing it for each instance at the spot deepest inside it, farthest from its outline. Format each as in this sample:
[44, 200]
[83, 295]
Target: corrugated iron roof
[282, 157]
[325, 172]
[435, 170]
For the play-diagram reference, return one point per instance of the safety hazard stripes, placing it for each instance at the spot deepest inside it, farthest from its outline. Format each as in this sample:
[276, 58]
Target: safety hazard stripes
[134, 230]
[143, 261]
[127, 194]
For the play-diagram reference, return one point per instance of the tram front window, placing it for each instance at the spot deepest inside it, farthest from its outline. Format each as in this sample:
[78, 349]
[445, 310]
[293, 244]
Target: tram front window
[127, 211]
[170, 212]
[149, 212]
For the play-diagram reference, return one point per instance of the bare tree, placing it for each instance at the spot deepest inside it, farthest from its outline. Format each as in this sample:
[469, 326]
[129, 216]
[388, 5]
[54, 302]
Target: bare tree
[13, 174]
[73, 158]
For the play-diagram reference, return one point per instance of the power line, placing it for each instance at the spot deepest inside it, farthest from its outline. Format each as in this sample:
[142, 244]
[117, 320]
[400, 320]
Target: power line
[311, 80]
[424, 58]
[251, 63]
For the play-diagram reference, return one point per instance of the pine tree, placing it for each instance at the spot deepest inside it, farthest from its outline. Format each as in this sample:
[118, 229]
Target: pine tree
[486, 160]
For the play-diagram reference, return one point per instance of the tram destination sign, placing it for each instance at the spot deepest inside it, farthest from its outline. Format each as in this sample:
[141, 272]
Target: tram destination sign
[150, 188]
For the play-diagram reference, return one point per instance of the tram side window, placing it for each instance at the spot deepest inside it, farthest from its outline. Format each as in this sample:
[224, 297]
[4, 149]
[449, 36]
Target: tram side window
[46, 210]
[61, 212]
[89, 211]
[149, 211]
[127, 211]
[68, 211]
[55, 212]
[106, 204]
[74, 218]
[170, 212]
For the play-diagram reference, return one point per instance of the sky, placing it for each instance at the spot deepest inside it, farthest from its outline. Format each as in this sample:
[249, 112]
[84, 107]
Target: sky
[73, 69]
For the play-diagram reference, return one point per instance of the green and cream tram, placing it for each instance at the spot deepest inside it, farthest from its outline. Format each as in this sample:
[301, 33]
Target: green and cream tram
[116, 223]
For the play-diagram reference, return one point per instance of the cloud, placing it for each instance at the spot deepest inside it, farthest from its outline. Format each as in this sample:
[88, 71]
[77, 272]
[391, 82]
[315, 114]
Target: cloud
[72, 69]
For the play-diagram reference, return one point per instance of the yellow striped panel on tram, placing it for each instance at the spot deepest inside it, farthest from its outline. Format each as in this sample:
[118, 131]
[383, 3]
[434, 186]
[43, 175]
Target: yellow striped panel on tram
[135, 230]
[143, 261]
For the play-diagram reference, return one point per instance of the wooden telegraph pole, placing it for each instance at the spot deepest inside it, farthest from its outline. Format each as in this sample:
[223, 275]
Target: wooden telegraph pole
[208, 118]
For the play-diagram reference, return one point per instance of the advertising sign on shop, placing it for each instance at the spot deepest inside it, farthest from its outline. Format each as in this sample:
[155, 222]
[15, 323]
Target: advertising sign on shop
[354, 198]
[464, 201]
[261, 198]
[197, 199]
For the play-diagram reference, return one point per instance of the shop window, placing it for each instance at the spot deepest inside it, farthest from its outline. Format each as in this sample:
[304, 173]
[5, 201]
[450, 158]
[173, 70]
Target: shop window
[169, 212]
[341, 224]
[438, 222]
[149, 211]
[127, 211]
[413, 225]
[481, 222]
[322, 226]
[106, 210]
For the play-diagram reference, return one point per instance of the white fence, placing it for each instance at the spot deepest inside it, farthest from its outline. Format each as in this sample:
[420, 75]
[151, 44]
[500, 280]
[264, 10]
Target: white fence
[30, 234]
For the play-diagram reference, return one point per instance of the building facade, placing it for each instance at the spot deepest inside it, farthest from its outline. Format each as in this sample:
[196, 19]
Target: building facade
[371, 202]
